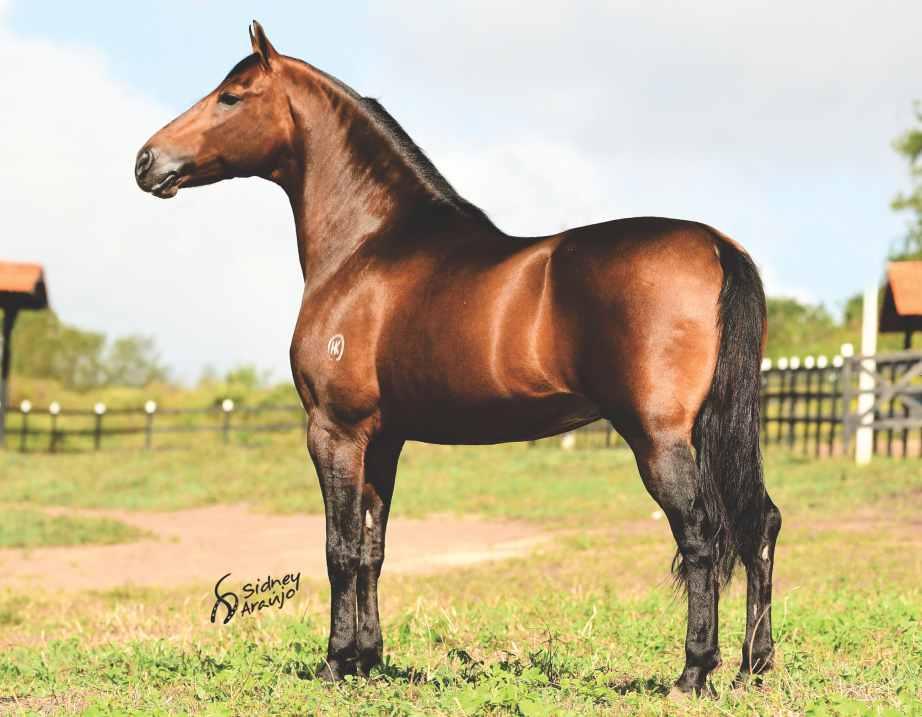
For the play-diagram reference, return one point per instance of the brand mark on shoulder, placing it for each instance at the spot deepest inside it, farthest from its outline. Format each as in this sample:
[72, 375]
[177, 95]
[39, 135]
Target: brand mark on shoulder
[336, 347]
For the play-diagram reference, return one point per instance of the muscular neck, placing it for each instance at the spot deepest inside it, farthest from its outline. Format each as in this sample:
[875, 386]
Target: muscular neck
[347, 183]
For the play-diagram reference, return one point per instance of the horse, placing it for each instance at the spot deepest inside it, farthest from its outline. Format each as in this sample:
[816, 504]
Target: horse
[420, 320]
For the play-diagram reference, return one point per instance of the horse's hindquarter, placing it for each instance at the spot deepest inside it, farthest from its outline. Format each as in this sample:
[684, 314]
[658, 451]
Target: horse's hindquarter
[644, 293]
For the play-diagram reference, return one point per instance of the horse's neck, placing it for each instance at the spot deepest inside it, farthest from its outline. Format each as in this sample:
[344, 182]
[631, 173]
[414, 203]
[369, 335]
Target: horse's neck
[344, 196]
[337, 210]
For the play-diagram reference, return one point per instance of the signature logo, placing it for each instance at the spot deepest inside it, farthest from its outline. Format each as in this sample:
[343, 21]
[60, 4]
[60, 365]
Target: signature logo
[336, 346]
[258, 595]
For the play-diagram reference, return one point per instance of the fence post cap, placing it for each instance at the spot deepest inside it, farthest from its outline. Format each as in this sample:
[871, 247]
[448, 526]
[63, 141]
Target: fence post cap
[783, 363]
[55, 408]
[809, 362]
[99, 409]
[837, 361]
[766, 364]
[847, 350]
[25, 406]
[227, 405]
[150, 407]
[794, 362]
[822, 361]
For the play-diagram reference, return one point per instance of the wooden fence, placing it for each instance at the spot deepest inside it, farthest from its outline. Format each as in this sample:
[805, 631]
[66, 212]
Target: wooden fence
[802, 405]
[808, 405]
[58, 430]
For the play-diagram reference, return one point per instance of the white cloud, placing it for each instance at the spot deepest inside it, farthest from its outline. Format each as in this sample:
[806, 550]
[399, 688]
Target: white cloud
[212, 274]
[770, 121]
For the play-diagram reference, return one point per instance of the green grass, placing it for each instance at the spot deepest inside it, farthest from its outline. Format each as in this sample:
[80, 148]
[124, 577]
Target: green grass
[30, 528]
[541, 483]
[589, 625]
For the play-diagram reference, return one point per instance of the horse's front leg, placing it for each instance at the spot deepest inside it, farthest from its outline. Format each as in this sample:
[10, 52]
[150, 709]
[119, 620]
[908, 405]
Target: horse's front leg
[380, 470]
[339, 457]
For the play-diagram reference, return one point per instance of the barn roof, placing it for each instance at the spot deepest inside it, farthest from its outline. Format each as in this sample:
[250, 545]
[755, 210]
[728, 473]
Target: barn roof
[22, 286]
[902, 308]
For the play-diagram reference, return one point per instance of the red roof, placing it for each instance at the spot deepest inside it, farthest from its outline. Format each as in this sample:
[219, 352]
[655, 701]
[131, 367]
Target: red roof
[905, 278]
[22, 285]
[902, 308]
[22, 278]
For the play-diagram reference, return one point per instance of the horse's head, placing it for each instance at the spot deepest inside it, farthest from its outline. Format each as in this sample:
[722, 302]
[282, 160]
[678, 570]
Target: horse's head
[241, 129]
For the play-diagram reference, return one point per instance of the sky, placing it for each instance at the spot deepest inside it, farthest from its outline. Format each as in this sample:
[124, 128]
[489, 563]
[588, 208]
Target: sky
[773, 122]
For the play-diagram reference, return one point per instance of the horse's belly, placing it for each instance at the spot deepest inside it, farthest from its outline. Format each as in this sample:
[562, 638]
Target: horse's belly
[496, 421]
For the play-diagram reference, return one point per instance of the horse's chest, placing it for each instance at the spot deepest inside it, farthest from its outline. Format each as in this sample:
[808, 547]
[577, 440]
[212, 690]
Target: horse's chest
[332, 356]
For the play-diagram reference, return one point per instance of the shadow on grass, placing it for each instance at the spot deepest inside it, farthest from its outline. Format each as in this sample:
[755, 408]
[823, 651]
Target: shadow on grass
[641, 686]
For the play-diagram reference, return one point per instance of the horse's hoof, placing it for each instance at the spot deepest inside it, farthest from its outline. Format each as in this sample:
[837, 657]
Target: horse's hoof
[366, 662]
[745, 680]
[677, 695]
[333, 671]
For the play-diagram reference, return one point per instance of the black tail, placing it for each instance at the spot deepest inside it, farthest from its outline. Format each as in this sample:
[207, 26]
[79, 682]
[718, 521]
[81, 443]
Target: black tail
[726, 432]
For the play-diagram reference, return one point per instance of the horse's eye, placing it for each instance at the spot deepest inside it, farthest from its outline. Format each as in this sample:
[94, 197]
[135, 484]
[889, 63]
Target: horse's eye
[227, 98]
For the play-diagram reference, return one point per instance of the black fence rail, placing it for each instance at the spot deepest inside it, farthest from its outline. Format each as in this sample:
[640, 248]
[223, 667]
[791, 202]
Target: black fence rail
[894, 413]
[54, 429]
[802, 406]
[65, 430]
[806, 405]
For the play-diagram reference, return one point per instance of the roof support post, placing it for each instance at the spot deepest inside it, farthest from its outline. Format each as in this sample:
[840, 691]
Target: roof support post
[9, 318]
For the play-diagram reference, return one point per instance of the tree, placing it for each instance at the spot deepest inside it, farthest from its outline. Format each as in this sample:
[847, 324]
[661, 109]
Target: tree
[48, 348]
[132, 361]
[794, 327]
[910, 146]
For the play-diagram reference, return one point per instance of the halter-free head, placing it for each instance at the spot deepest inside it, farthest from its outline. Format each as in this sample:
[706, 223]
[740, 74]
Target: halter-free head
[238, 130]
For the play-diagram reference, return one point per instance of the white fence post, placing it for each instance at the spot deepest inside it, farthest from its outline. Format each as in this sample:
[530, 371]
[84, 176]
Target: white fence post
[864, 436]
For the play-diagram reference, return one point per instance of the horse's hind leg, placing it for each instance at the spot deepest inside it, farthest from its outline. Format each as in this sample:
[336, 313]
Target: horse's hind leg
[380, 471]
[758, 648]
[670, 475]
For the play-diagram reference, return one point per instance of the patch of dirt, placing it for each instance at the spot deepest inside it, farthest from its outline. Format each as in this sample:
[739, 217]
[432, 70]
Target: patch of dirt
[202, 544]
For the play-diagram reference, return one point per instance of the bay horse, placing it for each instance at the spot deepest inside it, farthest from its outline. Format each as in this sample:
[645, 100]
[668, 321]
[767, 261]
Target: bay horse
[421, 320]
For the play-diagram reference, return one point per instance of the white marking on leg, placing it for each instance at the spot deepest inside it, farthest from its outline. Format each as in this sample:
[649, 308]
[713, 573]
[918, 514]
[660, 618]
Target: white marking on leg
[369, 523]
[765, 552]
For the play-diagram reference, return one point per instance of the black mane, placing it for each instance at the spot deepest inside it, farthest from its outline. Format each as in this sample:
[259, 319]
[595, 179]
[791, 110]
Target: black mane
[245, 64]
[409, 151]
[416, 158]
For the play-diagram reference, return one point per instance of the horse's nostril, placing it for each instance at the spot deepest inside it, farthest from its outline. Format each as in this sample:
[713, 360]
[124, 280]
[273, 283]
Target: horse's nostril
[145, 160]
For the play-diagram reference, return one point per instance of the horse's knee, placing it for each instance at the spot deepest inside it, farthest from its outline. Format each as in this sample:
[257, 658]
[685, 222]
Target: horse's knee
[342, 562]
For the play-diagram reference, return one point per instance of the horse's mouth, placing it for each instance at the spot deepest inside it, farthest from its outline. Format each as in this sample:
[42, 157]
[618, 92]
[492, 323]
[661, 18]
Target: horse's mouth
[168, 185]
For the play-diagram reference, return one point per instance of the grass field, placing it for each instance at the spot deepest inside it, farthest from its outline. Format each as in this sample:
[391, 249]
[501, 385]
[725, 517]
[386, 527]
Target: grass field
[588, 625]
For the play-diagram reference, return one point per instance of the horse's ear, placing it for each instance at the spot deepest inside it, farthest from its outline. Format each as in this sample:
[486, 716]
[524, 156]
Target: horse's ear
[261, 45]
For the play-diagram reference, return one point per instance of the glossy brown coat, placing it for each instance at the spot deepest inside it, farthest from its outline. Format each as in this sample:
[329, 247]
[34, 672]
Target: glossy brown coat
[420, 320]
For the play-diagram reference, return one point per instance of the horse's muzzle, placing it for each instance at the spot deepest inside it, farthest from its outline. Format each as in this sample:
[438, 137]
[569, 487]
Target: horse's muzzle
[156, 174]
[143, 163]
